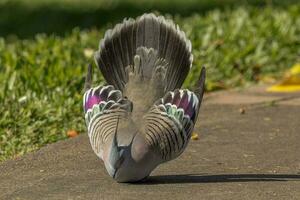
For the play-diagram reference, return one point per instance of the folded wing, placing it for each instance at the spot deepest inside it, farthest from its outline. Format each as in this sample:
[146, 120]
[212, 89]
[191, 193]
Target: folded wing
[103, 107]
[170, 121]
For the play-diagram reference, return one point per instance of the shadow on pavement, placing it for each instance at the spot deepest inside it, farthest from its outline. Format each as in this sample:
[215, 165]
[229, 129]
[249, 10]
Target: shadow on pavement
[194, 178]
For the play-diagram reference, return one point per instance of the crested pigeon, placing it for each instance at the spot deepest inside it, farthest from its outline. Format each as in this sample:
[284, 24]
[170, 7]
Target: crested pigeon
[141, 118]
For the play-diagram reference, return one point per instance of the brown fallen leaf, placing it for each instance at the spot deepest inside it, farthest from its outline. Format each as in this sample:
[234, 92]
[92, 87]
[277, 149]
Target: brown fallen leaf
[242, 111]
[72, 133]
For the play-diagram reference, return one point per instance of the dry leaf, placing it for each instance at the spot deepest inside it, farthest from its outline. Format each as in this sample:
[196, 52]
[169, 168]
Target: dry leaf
[290, 82]
[72, 133]
[194, 136]
[242, 111]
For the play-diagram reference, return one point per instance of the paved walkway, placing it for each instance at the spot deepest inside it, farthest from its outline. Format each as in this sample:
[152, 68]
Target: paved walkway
[248, 148]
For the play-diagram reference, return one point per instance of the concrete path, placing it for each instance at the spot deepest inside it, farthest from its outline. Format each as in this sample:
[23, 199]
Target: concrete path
[248, 148]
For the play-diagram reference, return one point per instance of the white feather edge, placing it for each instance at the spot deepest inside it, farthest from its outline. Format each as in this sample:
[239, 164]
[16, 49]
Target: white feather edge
[127, 21]
[191, 97]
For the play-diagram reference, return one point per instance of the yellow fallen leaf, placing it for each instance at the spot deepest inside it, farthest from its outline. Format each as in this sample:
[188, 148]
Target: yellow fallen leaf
[287, 88]
[194, 136]
[290, 83]
[295, 69]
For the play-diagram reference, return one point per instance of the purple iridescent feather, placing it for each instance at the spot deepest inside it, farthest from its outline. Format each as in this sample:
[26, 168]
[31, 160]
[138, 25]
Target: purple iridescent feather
[91, 101]
[185, 102]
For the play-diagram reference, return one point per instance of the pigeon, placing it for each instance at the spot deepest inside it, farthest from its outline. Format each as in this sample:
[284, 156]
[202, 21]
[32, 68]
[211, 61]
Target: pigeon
[141, 117]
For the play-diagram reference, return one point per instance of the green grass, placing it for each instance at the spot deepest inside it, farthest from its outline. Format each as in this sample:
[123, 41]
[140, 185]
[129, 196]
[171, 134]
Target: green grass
[42, 75]
[25, 18]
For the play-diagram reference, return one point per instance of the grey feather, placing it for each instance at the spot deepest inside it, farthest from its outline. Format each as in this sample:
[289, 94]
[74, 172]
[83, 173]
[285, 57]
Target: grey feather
[88, 78]
[120, 44]
[169, 123]
[104, 107]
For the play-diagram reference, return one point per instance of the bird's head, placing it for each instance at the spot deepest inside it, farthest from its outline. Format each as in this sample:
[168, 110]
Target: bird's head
[128, 161]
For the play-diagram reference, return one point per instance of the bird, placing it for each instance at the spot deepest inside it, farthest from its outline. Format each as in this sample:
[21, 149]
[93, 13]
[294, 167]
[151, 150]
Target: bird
[141, 117]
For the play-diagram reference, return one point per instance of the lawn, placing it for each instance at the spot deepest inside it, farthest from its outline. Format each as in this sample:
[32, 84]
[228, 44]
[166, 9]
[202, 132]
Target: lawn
[45, 47]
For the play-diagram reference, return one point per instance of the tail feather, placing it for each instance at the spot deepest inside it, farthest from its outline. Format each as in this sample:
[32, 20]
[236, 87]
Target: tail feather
[88, 78]
[200, 85]
[120, 45]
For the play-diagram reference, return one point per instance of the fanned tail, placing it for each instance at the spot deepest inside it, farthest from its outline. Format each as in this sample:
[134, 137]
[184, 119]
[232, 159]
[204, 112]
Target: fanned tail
[120, 45]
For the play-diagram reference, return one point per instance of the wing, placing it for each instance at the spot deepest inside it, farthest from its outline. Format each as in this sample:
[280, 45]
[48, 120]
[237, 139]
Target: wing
[169, 123]
[103, 106]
